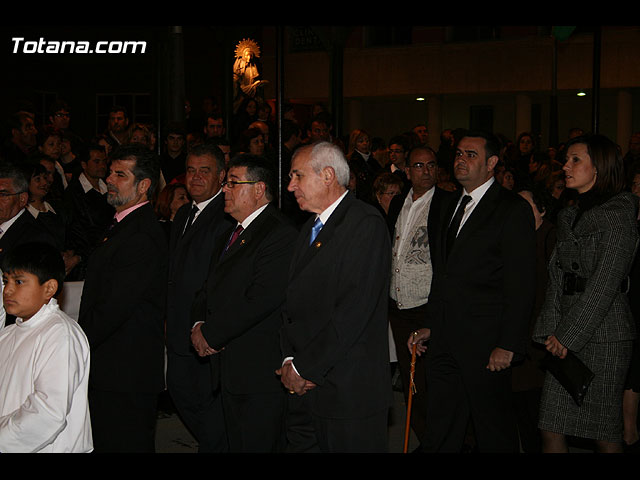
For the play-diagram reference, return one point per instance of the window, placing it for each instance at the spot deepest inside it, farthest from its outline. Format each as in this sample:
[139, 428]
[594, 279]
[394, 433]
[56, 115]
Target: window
[138, 107]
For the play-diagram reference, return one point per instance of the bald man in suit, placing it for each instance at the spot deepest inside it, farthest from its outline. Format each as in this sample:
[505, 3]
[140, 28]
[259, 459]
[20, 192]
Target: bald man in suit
[335, 334]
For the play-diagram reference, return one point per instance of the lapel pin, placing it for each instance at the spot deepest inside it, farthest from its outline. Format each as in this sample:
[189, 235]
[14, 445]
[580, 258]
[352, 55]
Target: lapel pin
[242, 241]
[317, 244]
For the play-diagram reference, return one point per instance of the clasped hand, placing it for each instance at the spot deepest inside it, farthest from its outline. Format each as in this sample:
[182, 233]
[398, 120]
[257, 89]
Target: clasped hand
[199, 343]
[292, 381]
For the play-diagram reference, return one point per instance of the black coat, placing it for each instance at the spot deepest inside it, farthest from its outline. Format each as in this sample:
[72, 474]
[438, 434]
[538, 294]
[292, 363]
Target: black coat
[244, 294]
[24, 229]
[122, 306]
[335, 315]
[190, 257]
[482, 293]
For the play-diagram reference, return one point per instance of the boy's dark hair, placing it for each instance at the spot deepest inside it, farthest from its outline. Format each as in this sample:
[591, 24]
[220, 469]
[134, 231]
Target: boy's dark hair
[37, 258]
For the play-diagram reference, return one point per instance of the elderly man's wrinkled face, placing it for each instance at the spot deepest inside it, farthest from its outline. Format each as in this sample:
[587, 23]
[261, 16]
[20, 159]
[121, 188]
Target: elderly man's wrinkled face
[307, 185]
[422, 171]
[11, 201]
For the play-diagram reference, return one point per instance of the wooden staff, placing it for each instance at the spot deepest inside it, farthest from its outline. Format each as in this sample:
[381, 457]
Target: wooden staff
[412, 388]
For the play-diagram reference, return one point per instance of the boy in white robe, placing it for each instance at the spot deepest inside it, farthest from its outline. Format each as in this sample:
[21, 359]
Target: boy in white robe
[44, 359]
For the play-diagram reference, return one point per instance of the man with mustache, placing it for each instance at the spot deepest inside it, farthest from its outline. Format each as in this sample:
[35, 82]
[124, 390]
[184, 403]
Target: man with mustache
[479, 305]
[122, 309]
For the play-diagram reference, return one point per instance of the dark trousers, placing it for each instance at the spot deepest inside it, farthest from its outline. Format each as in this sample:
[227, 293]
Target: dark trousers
[309, 433]
[459, 393]
[255, 422]
[403, 324]
[527, 405]
[190, 384]
[123, 422]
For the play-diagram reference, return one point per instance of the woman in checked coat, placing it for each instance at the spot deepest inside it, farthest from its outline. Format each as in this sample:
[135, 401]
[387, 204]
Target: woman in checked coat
[586, 308]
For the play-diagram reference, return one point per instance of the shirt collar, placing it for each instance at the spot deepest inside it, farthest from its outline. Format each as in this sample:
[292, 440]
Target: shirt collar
[479, 192]
[120, 215]
[86, 185]
[247, 221]
[202, 205]
[324, 216]
[6, 225]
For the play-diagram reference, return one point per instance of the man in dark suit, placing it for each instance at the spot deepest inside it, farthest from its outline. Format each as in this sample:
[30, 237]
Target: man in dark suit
[90, 214]
[413, 220]
[17, 225]
[242, 313]
[334, 339]
[190, 250]
[478, 310]
[122, 309]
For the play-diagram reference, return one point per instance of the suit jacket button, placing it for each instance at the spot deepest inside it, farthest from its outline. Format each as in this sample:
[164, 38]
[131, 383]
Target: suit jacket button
[575, 266]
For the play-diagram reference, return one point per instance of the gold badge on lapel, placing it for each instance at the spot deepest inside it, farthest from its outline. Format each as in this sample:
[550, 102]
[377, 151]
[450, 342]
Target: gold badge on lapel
[242, 241]
[317, 244]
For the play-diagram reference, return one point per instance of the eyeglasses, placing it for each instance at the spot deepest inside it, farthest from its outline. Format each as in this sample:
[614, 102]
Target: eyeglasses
[8, 194]
[420, 165]
[393, 194]
[233, 183]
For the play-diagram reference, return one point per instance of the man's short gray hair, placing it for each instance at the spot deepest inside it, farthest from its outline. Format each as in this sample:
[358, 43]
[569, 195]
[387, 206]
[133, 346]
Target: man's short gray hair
[325, 154]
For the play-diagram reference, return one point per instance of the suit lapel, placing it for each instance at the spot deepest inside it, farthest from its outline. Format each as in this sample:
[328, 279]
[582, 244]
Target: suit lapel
[305, 252]
[201, 220]
[448, 211]
[478, 216]
[247, 236]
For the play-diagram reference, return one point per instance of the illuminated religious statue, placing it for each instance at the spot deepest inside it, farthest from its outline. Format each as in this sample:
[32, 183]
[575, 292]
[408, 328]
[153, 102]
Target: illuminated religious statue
[246, 72]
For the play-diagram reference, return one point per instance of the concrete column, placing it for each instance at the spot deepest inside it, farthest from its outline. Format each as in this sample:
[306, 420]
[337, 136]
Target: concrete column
[523, 115]
[624, 132]
[434, 121]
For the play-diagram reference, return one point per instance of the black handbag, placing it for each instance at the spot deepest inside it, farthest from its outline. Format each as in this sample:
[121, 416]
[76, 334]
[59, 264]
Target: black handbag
[572, 374]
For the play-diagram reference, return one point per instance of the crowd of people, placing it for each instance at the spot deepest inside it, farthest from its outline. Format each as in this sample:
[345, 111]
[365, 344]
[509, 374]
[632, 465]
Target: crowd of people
[272, 292]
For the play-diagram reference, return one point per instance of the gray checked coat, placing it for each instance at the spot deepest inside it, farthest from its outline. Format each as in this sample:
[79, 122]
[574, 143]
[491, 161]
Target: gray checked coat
[600, 247]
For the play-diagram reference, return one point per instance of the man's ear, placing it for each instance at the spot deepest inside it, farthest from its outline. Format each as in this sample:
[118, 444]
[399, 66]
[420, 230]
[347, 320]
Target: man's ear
[144, 185]
[23, 198]
[492, 161]
[328, 175]
[260, 189]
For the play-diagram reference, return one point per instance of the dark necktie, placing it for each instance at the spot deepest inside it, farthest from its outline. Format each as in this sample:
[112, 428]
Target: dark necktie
[452, 232]
[192, 215]
[114, 222]
[317, 226]
[234, 236]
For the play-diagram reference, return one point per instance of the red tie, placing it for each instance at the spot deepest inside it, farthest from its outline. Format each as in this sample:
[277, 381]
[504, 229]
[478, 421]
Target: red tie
[236, 234]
